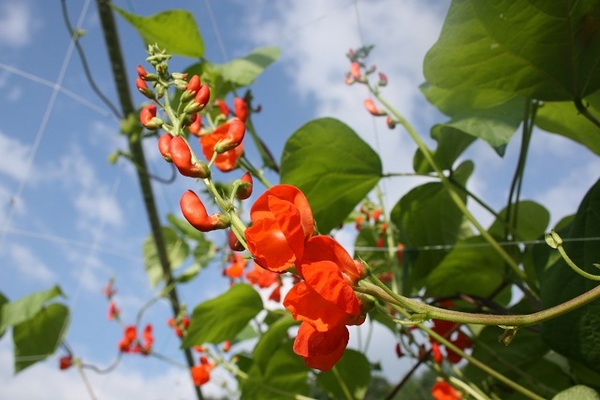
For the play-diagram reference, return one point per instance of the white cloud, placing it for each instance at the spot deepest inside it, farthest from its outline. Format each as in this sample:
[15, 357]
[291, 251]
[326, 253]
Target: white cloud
[14, 155]
[16, 24]
[28, 265]
[44, 381]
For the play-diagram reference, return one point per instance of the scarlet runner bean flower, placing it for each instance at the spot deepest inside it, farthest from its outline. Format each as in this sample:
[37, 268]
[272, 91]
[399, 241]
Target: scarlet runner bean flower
[195, 213]
[282, 221]
[244, 190]
[181, 156]
[149, 119]
[442, 390]
[372, 108]
[236, 268]
[261, 277]
[226, 142]
[240, 108]
[65, 362]
[448, 329]
[321, 350]
[201, 373]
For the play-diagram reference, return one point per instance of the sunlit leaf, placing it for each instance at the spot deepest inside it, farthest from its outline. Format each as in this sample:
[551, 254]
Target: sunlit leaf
[531, 221]
[21, 310]
[332, 166]
[243, 71]
[577, 392]
[353, 370]
[208, 324]
[547, 50]
[177, 252]
[175, 31]
[38, 337]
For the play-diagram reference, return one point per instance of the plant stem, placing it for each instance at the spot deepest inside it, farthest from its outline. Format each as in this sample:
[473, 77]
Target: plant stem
[136, 150]
[424, 311]
[586, 113]
[448, 185]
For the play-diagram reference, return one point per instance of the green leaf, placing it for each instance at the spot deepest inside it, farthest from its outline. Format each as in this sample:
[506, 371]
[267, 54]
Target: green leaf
[526, 349]
[366, 249]
[243, 71]
[3, 301]
[38, 337]
[548, 50]
[577, 392]
[472, 267]
[495, 123]
[354, 372]
[223, 317]
[428, 221]
[175, 31]
[177, 252]
[576, 335]
[532, 221]
[564, 119]
[21, 310]
[271, 341]
[332, 166]
[185, 228]
[451, 144]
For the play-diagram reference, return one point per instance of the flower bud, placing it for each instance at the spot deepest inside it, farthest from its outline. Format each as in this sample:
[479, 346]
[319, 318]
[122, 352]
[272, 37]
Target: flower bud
[222, 107]
[148, 117]
[143, 88]
[244, 190]
[383, 80]
[164, 146]
[141, 72]
[182, 158]
[235, 135]
[196, 124]
[372, 108]
[234, 243]
[355, 71]
[240, 108]
[390, 122]
[195, 213]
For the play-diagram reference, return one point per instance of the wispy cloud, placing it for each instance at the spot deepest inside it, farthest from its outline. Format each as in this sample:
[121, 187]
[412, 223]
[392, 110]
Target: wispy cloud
[13, 154]
[28, 265]
[17, 24]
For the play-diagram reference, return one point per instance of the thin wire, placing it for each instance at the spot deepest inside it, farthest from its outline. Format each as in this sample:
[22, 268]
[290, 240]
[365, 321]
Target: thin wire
[472, 245]
[215, 27]
[41, 130]
[34, 78]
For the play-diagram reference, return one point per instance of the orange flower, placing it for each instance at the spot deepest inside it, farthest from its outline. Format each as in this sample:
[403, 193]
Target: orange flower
[236, 268]
[325, 298]
[201, 373]
[261, 277]
[129, 337]
[227, 160]
[240, 108]
[282, 221]
[442, 390]
[321, 350]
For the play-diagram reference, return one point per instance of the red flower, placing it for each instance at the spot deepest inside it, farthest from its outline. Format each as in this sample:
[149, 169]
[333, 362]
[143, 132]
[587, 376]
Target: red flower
[148, 117]
[321, 350]
[244, 191]
[276, 294]
[442, 390]
[236, 268]
[201, 373]
[180, 325]
[181, 155]
[436, 353]
[129, 337]
[372, 108]
[282, 221]
[325, 298]
[261, 277]
[240, 108]
[355, 70]
[230, 146]
[113, 311]
[195, 213]
[222, 107]
[65, 362]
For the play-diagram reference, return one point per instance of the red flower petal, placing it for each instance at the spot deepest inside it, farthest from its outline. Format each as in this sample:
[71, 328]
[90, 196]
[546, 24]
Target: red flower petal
[321, 350]
[442, 390]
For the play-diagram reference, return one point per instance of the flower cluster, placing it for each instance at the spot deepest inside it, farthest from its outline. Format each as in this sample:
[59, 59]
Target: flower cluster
[281, 238]
[201, 372]
[131, 344]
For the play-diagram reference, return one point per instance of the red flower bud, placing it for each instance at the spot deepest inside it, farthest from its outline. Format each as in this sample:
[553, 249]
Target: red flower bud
[182, 158]
[241, 108]
[436, 352]
[372, 108]
[148, 117]
[222, 107]
[355, 70]
[390, 122]
[194, 84]
[196, 125]
[143, 88]
[233, 138]
[194, 211]
[202, 96]
[234, 243]
[399, 352]
[383, 80]
[141, 71]
[244, 191]
[65, 362]
[164, 146]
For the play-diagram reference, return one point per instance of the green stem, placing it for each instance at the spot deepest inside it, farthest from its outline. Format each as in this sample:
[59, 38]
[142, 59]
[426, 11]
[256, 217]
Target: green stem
[86, 382]
[423, 311]
[586, 113]
[137, 153]
[342, 384]
[574, 267]
[450, 189]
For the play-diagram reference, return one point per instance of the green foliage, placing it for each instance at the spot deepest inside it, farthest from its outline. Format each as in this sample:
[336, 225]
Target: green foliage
[332, 166]
[16, 312]
[427, 217]
[243, 71]
[239, 304]
[38, 337]
[451, 144]
[513, 46]
[577, 392]
[177, 252]
[576, 335]
[531, 220]
[173, 30]
[353, 371]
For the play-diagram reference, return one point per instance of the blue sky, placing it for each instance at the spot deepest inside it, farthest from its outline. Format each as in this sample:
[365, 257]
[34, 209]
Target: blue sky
[68, 217]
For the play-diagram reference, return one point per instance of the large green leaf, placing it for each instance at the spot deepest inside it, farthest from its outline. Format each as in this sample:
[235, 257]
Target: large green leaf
[428, 221]
[576, 334]
[547, 50]
[451, 143]
[271, 341]
[243, 71]
[175, 31]
[577, 392]
[3, 301]
[38, 337]
[527, 349]
[333, 166]
[531, 221]
[223, 317]
[479, 113]
[353, 370]
[177, 252]
[472, 267]
[564, 119]
[21, 310]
